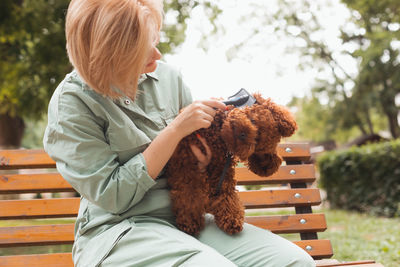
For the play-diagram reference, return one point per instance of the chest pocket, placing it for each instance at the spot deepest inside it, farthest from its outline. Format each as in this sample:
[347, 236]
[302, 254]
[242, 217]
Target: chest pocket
[127, 141]
[155, 122]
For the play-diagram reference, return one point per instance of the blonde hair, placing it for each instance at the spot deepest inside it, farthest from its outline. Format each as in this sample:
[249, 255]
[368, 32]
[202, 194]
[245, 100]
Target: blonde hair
[109, 41]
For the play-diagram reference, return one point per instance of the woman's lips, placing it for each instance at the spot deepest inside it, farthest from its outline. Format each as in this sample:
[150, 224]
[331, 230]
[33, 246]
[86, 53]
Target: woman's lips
[151, 63]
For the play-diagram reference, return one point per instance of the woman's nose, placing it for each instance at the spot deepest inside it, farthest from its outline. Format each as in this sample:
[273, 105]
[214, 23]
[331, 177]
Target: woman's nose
[156, 54]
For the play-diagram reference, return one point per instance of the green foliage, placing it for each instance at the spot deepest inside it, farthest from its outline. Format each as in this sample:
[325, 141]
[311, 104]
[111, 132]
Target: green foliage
[363, 178]
[319, 123]
[32, 52]
[368, 39]
[378, 80]
[173, 31]
[34, 131]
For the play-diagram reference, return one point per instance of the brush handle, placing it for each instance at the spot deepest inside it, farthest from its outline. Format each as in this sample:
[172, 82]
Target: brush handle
[237, 101]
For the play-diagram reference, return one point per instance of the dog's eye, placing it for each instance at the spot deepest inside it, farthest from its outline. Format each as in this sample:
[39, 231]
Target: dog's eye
[242, 136]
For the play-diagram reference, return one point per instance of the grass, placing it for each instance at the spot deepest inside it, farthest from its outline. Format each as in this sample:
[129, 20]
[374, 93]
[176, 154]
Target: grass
[354, 236]
[357, 236]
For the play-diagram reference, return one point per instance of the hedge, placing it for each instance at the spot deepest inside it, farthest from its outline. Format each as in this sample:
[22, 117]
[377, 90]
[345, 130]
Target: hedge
[365, 179]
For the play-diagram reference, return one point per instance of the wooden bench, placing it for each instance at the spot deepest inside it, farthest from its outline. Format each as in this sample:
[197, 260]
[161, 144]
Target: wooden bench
[27, 171]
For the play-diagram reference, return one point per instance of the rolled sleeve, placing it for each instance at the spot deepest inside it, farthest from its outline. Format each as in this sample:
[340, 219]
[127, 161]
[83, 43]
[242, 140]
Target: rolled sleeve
[137, 165]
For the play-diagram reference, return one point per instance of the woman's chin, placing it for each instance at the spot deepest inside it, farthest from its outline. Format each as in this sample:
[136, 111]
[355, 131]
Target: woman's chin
[150, 67]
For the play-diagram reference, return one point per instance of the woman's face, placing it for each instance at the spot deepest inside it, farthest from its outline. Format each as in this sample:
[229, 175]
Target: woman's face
[155, 55]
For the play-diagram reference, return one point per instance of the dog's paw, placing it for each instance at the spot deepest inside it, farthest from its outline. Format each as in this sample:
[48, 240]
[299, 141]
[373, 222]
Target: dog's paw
[190, 229]
[230, 225]
[233, 229]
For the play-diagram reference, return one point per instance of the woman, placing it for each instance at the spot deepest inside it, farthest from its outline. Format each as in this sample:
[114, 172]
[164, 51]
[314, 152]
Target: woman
[113, 123]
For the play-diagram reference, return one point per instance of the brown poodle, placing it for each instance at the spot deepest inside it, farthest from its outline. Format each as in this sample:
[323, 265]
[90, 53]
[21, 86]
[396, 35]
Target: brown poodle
[249, 134]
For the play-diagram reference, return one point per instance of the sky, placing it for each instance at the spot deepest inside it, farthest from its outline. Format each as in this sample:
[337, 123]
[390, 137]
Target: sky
[262, 65]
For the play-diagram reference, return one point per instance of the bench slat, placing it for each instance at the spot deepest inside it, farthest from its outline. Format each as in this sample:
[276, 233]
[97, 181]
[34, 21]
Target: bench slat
[280, 198]
[38, 158]
[318, 249]
[362, 265]
[286, 174]
[294, 151]
[64, 233]
[296, 223]
[25, 159]
[53, 182]
[39, 208]
[38, 260]
[33, 183]
[67, 207]
[65, 260]
[38, 235]
[321, 248]
[333, 263]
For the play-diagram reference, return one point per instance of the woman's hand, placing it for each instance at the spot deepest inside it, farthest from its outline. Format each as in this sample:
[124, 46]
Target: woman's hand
[199, 114]
[204, 160]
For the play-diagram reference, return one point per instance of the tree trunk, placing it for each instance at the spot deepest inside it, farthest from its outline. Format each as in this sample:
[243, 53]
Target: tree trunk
[11, 131]
[393, 125]
[387, 99]
[369, 121]
[360, 124]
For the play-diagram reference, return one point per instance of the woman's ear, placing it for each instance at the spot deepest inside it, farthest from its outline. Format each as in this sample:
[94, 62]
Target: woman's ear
[264, 164]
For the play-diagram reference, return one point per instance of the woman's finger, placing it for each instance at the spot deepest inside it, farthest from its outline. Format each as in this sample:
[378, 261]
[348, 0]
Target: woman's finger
[207, 117]
[208, 150]
[204, 160]
[209, 110]
[214, 104]
[198, 154]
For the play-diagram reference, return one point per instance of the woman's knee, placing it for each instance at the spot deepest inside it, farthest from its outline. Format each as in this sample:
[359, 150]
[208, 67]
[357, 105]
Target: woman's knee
[207, 257]
[295, 256]
[302, 260]
[276, 251]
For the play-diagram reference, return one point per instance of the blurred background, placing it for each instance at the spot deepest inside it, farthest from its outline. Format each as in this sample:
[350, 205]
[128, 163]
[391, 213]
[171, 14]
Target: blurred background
[334, 63]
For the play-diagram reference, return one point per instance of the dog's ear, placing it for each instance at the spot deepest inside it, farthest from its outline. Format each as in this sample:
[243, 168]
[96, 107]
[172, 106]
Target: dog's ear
[285, 120]
[264, 164]
[286, 123]
[259, 99]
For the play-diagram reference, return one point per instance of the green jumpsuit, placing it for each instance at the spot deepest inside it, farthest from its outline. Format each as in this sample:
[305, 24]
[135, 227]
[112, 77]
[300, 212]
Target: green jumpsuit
[125, 216]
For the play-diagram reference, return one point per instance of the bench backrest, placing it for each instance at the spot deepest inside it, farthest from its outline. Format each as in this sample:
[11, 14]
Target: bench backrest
[32, 171]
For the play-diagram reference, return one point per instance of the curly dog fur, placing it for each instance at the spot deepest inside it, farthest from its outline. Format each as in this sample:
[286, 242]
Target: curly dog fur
[249, 134]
